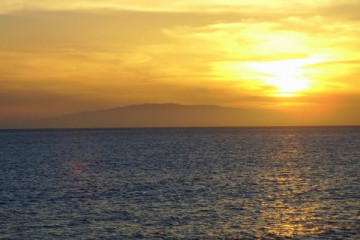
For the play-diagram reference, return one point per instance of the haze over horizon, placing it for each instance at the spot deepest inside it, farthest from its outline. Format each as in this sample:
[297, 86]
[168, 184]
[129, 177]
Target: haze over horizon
[298, 59]
[165, 115]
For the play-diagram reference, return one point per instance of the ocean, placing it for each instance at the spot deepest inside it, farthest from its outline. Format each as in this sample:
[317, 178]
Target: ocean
[181, 183]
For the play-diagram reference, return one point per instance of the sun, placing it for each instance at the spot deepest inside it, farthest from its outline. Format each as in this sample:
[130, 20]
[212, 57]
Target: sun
[286, 77]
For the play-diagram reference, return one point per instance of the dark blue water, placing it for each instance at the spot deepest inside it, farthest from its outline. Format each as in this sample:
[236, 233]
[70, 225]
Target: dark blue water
[194, 183]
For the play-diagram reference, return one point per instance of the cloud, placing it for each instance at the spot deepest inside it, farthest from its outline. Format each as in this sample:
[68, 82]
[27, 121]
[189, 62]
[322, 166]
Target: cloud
[348, 10]
[212, 6]
[347, 62]
[108, 53]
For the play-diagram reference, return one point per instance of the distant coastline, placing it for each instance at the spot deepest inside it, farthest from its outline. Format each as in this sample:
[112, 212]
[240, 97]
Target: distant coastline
[167, 128]
[169, 115]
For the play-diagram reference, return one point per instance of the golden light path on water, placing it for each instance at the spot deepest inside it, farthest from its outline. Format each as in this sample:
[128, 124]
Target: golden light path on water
[285, 212]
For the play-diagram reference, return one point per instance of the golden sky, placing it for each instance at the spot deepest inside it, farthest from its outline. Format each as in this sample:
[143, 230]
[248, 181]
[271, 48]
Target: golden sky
[301, 57]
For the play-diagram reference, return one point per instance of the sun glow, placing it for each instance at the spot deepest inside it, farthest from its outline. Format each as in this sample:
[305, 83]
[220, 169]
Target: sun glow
[287, 77]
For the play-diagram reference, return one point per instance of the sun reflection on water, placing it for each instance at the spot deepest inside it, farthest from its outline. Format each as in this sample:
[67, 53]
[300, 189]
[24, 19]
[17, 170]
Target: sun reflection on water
[285, 211]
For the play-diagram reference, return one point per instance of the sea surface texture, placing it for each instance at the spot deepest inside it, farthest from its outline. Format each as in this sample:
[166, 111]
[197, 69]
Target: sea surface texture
[185, 183]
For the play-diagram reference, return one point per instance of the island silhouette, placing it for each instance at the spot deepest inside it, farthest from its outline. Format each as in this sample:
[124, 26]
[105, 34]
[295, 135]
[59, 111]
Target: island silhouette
[159, 115]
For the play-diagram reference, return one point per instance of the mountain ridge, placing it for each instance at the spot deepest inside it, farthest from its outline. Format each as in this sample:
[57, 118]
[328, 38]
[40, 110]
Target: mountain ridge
[150, 115]
[157, 115]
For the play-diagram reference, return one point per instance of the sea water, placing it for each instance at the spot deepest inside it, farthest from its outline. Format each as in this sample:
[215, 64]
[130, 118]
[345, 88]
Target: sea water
[181, 183]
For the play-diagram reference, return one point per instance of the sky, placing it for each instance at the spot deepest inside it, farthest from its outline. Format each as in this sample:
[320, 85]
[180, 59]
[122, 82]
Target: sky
[300, 57]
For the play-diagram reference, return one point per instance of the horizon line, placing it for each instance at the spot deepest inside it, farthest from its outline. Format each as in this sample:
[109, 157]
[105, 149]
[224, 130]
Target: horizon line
[176, 127]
